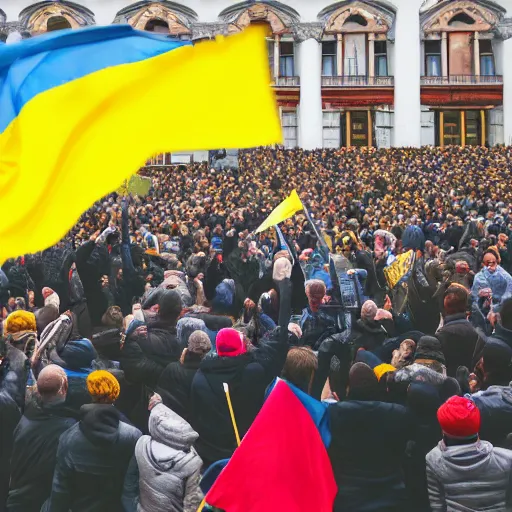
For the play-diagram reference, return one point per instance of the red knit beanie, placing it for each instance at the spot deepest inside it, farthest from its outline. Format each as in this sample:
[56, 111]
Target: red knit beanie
[230, 343]
[459, 417]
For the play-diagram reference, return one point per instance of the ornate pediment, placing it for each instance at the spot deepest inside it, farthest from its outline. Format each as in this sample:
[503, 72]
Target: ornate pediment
[178, 17]
[377, 16]
[279, 16]
[34, 19]
[480, 16]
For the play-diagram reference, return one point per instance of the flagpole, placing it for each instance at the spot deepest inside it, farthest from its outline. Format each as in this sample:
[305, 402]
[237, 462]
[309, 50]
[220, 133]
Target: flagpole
[228, 398]
[321, 240]
[235, 428]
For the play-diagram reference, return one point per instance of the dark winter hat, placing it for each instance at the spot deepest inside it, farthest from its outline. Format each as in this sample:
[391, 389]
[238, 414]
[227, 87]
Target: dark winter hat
[429, 348]
[169, 304]
[413, 238]
[362, 382]
[199, 343]
[77, 355]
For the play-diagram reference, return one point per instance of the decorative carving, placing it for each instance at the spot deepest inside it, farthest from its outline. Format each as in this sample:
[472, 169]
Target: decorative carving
[376, 21]
[13, 26]
[279, 16]
[34, 19]
[438, 19]
[179, 18]
[209, 30]
[304, 31]
[258, 12]
[504, 29]
[178, 25]
[250, 15]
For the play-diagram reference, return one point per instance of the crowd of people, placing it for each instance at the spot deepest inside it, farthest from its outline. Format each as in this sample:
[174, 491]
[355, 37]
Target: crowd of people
[388, 304]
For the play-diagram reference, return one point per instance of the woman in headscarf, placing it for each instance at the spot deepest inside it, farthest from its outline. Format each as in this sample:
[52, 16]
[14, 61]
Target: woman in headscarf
[492, 284]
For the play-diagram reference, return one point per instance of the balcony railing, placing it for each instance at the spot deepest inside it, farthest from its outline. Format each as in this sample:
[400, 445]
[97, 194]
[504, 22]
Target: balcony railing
[462, 80]
[286, 81]
[357, 81]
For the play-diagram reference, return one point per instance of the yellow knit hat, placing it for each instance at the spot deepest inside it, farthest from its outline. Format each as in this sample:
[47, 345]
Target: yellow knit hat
[20, 321]
[103, 386]
[382, 369]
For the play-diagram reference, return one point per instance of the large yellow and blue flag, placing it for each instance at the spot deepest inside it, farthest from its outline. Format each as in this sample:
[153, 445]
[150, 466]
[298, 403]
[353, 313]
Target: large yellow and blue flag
[82, 110]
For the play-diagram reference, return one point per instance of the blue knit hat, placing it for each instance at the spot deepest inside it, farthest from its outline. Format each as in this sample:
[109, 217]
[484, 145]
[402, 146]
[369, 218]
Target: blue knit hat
[413, 238]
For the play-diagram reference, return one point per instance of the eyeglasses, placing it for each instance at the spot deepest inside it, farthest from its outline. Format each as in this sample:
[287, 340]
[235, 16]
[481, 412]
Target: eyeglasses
[490, 263]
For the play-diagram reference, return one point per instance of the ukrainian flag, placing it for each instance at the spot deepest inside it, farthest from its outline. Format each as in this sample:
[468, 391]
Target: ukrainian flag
[82, 110]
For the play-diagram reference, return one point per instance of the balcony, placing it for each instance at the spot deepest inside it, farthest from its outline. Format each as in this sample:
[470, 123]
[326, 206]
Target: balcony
[286, 81]
[357, 81]
[462, 80]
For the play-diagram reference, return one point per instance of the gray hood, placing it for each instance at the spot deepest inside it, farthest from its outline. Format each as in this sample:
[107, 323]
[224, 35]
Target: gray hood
[170, 444]
[501, 392]
[474, 456]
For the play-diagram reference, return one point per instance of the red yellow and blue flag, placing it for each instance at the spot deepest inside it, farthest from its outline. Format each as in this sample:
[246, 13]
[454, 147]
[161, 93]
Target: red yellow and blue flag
[282, 463]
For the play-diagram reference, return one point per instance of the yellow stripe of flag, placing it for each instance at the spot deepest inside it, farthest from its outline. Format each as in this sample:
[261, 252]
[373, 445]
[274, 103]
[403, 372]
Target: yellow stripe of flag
[75, 143]
[291, 205]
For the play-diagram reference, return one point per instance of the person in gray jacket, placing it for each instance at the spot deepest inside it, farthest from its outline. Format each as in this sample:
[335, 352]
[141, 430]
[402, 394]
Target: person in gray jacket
[464, 473]
[164, 474]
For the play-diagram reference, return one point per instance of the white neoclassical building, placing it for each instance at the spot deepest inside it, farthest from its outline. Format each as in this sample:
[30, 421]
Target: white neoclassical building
[348, 73]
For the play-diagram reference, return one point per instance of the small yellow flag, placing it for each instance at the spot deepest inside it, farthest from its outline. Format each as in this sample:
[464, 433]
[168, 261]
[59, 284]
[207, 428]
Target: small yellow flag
[285, 210]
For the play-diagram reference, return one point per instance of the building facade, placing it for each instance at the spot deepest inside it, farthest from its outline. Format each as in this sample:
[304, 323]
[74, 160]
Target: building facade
[349, 73]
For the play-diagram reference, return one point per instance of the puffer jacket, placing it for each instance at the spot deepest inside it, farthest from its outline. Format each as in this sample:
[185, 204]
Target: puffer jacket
[168, 465]
[469, 478]
[91, 463]
[495, 405]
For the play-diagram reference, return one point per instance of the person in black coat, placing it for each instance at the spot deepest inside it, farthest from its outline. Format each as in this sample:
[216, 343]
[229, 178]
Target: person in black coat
[10, 414]
[176, 380]
[247, 373]
[93, 262]
[35, 442]
[459, 339]
[423, 401]
[367, 332]
[93, 455]
[152, 346]
[369, 438]
[495, 398]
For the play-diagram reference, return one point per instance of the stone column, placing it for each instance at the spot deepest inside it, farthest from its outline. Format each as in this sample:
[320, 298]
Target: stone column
[310, 116]
[339, 54]
[476, 53]
[507, 91]
[407, 129]
[277, 40]
[371, 57]
[444, 54]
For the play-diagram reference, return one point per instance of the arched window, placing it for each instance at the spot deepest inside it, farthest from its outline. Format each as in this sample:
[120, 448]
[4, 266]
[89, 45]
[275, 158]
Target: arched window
[161, 17]
[357, 16]
[57, 23]
[49, 16]
[357, 19]
[461, 19]
[450, 16]
[158, 26]
[279, 16]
